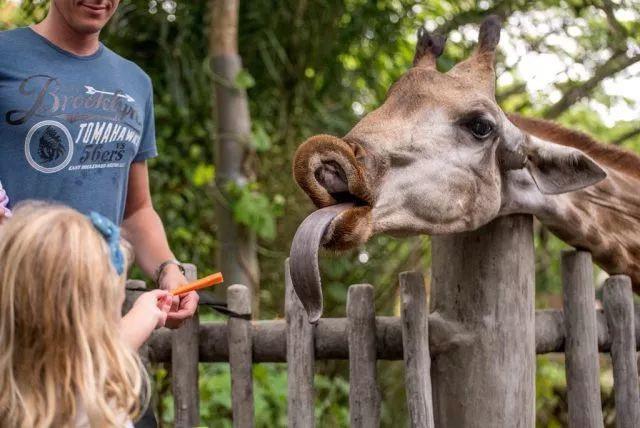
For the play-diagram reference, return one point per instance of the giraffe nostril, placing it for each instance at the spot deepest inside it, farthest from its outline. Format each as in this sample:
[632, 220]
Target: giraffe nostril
[332, 177]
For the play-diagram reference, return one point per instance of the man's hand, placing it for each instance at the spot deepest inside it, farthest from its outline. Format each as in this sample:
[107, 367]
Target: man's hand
[182, 307]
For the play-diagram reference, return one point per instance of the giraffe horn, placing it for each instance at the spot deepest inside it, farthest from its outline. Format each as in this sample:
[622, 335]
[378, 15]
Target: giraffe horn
[428, 48]
[479, 67]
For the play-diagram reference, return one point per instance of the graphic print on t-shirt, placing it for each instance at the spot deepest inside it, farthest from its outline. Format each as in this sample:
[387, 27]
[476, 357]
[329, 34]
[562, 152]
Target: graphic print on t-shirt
[48, 146]
[100, 124]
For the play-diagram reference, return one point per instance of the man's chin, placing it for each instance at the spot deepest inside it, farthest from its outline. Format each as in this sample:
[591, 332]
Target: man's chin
[89, 26]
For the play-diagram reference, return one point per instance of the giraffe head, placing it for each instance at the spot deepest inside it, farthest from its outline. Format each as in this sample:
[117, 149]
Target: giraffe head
[438, 156]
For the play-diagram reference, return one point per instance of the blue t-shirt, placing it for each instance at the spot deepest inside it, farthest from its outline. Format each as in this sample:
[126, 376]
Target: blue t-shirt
[70, 126]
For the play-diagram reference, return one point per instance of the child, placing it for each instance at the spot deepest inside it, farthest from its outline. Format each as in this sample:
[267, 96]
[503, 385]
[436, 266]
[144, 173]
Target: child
[67, 358]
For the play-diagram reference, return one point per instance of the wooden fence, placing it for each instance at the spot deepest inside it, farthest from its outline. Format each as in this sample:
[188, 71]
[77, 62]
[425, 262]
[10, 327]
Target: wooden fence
[478, 341]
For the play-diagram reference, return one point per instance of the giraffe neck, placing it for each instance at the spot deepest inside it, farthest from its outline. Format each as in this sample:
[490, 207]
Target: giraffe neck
[603, 219]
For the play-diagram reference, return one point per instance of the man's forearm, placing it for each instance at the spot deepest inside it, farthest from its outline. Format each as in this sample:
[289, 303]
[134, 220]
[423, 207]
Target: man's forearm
[144, 230]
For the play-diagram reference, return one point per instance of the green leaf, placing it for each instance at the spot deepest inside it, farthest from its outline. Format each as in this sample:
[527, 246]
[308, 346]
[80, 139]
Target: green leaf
[253, 209]
[203, 174]
[260, 139]
[244, 80]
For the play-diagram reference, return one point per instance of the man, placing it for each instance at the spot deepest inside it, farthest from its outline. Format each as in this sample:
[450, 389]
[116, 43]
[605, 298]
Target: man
[77, 126]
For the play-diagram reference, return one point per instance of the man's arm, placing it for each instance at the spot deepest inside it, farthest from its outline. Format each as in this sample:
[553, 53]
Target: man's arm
[143, 228]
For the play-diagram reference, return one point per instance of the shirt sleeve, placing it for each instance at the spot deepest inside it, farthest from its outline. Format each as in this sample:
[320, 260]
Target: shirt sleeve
[147, 148]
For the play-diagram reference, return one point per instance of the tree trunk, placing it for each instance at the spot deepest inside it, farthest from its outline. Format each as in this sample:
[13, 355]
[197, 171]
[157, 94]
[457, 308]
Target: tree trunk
[483, 281]
[237, 257]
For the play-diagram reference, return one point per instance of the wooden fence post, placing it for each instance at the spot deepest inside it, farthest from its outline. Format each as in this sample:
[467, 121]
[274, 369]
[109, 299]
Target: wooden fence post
[415, 339]
[364, 397]
[618, 307]
[240, 358]
[184, 368]
[581, 343]
[300, 359]
[483, 281]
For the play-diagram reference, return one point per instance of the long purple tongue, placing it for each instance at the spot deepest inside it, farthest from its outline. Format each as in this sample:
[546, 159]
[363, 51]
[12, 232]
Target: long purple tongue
[303, 261]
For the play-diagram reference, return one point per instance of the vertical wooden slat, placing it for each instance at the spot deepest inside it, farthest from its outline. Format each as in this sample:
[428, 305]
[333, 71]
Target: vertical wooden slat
[184, 367]
[581, 343]
[618, 307]
[364, 398]
[240, 359]
[415, 339]
[300, 359]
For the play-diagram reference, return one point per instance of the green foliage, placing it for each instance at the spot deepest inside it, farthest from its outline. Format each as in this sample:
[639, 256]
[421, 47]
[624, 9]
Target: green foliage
[270, 399]
[260, 139]
[244, 80]
[254, 209]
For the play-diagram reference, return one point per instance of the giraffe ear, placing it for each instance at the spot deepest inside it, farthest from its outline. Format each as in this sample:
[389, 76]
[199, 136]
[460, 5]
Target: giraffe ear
[559, 169]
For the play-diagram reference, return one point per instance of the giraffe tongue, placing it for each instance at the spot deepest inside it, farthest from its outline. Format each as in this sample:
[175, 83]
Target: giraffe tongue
[303, 261]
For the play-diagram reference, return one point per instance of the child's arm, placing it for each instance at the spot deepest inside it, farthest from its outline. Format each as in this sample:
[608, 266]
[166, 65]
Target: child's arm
[4, 202]
[148, 313]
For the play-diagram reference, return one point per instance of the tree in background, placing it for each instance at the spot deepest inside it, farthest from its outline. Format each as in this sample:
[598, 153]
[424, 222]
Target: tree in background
[237, 243]
[316, 66]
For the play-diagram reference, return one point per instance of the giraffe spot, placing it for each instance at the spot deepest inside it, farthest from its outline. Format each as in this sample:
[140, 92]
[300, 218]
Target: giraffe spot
[573, 218]
[634, 252]
[609, 259]
[594, 239]
[607, 222]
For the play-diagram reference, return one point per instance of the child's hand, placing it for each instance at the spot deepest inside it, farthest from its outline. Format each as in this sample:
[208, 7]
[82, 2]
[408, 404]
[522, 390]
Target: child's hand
[4, 202]
[148, 313]
[155, 305]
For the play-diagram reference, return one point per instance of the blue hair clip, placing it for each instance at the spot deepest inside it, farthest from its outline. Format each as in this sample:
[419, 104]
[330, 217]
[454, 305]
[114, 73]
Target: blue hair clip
[111, 234]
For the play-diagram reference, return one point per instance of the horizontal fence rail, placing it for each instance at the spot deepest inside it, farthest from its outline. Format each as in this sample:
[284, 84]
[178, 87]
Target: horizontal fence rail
[330, 338]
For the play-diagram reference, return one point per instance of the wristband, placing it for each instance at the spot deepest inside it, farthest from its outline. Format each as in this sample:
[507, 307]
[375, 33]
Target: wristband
[158, 273]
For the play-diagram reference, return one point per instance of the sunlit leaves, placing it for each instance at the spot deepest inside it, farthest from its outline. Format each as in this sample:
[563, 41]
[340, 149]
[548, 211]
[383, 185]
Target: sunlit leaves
[254, 209]
[244, 80]
[203, 174]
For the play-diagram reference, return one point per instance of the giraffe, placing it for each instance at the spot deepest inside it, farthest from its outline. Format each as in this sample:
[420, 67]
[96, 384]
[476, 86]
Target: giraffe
[439, 156]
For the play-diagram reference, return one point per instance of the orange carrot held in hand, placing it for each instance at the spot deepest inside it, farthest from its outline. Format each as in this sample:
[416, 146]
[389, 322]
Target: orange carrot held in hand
[205, 282]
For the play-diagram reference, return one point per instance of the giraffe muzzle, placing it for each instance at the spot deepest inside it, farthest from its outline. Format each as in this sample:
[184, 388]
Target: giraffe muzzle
[325, 167]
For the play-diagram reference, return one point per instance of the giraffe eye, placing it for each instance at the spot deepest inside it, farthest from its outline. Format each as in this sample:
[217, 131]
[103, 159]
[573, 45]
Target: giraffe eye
[480, 128]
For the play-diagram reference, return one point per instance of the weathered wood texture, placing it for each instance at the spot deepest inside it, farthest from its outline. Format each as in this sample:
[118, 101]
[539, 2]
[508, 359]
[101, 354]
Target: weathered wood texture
[415, 339]
[364, 397]
[300, 359]
[484, 281]
[269, 338]
[581, 344]
[236, 255]
[184, 367]
[618, 305]
[239, 335]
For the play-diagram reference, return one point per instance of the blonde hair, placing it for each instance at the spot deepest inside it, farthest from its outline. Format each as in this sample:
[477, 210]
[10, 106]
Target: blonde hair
[61, 347]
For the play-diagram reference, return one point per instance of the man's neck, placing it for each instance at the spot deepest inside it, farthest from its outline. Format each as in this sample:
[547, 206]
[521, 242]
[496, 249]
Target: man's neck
[56, 29]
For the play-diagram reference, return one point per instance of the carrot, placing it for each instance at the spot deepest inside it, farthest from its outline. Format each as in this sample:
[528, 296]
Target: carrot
[205, 282]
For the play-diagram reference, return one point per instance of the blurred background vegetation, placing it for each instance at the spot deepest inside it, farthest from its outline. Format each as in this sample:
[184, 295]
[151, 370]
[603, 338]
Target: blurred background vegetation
[316, 66]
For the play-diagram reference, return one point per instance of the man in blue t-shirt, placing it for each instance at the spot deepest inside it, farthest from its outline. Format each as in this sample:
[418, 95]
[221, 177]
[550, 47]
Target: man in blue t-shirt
[77, 126]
